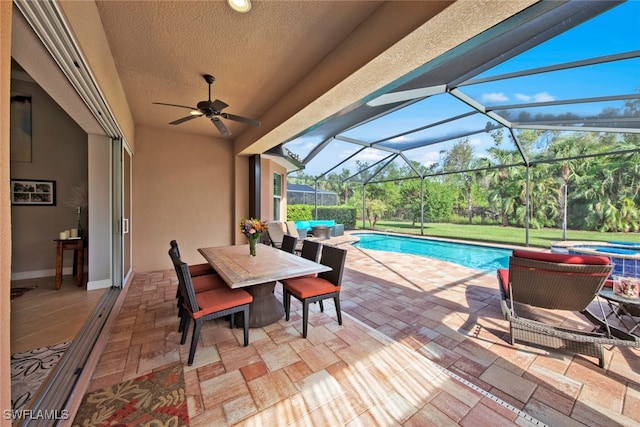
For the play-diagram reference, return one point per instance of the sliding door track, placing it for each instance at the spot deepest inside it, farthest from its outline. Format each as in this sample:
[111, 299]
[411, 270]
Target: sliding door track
[51, 399]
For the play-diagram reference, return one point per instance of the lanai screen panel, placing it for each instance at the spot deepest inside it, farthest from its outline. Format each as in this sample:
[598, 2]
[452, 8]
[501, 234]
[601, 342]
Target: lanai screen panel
[599, 36]
[426, 112]
[459, 127]
[394, 169]
[586, 79]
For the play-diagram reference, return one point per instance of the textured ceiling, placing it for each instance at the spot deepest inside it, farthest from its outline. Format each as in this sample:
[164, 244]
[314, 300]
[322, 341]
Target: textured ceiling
[293, 65]
[161, 49]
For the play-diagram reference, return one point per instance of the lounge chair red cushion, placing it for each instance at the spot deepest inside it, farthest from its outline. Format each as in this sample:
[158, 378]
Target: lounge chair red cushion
[562, 258]
[503, 278]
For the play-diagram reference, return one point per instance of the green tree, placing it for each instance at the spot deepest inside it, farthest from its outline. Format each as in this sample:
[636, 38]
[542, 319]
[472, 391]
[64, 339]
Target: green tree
[460, 157]
[375, 210]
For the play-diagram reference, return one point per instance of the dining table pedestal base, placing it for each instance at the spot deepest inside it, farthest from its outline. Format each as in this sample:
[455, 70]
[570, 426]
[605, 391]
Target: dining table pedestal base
[265, 308]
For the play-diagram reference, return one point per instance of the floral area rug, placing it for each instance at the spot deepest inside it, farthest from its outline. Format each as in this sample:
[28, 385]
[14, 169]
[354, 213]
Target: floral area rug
[30, 369]
[18, 292]
[155, 399]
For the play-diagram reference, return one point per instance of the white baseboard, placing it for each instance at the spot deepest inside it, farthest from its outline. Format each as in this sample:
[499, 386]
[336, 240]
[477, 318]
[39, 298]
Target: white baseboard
[99, 284]
[36, 274]
[23, 275]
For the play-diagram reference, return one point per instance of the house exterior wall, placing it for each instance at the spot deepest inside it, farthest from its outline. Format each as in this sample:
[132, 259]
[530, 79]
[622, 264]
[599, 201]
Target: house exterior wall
[5, 207]
[183, 189]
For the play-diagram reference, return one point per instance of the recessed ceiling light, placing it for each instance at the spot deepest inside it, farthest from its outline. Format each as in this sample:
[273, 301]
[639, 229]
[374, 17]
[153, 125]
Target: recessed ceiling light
[242, 6]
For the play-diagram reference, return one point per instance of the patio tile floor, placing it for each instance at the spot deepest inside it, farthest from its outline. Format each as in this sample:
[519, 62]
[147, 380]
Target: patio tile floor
[423, 342]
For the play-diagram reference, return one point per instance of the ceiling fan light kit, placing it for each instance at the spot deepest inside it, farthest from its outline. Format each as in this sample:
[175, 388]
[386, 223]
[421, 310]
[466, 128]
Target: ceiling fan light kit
[241, 6]
[211, 109]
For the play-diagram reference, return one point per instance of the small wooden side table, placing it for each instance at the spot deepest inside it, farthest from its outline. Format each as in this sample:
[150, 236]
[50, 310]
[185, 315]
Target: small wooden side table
[77, 245]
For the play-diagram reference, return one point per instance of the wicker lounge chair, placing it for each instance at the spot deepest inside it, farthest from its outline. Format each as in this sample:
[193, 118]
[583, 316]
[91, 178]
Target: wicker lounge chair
[558, 282]
[293, 231]
[275, 231]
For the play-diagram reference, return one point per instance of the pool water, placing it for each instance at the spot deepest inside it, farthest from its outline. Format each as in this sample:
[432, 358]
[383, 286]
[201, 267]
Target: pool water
[468, 255]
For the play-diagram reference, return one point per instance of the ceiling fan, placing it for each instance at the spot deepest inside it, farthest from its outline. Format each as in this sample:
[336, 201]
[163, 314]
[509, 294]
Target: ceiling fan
[212, 110]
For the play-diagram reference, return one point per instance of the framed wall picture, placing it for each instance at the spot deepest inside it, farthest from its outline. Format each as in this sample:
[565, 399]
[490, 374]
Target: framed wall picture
[33, 192]
[20, 128]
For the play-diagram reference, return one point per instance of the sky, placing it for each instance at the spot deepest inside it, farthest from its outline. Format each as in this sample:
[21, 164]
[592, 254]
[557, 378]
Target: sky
[613, 32]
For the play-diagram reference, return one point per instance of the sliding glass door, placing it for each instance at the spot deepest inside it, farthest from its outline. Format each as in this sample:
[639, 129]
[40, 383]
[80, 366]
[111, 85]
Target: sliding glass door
[121, 212]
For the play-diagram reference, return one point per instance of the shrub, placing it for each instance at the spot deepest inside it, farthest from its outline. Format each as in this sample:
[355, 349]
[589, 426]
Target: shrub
[299, 212]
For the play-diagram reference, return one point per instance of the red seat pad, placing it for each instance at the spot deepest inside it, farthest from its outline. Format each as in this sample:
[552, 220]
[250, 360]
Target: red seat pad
[220, 299]
[562, 258]
[503, 278]
[201, 269]
[306, 287]
[208, 282]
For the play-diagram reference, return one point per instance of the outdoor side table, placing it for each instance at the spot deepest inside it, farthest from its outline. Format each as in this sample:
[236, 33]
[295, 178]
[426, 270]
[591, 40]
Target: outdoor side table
[321, 231]
[618, 305]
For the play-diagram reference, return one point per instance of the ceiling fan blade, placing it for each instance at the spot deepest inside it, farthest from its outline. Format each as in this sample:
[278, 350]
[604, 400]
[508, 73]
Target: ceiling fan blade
[241, 119]
[218, 105]
[224, 131]
[185, 119]
[175, 105]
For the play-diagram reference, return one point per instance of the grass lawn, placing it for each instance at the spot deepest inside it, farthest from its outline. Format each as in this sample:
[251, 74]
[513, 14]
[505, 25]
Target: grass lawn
[498, 234]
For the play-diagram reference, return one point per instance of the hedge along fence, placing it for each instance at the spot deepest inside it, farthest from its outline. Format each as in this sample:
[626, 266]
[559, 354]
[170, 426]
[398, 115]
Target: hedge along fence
[340, 214]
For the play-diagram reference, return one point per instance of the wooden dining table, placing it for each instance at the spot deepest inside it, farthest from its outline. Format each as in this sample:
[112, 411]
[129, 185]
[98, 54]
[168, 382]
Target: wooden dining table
[258, 275]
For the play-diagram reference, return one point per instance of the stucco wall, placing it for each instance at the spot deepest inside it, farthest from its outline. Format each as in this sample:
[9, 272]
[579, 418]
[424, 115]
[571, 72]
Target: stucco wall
[183, 189]
[59, 153]
[5, 212]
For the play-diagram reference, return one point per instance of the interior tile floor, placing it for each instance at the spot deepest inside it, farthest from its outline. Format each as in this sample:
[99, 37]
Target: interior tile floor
[423, 342]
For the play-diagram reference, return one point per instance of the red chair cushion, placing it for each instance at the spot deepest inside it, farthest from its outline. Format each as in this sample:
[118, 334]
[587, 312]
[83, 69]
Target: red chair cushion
[208, 282]
[307, 287]
[201, 269]
[562, 258]
[503, 278]
[220, 299]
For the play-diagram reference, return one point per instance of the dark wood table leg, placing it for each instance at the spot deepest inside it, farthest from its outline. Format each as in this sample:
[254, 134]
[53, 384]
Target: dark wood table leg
[59, 252]
[265, 308]
[79, 261]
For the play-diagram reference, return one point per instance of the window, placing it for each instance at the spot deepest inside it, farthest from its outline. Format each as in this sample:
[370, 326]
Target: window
[277, 196]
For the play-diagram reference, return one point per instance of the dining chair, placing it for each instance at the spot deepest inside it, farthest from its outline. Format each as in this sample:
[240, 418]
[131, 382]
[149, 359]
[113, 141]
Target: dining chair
[311, 289]
[289, 244]
[209, 305]
[201, 283]
[311, 250]
[195, 269]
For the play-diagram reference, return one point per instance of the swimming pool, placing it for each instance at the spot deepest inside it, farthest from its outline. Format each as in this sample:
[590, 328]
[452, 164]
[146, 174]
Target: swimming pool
[625, 256]
[468, 255]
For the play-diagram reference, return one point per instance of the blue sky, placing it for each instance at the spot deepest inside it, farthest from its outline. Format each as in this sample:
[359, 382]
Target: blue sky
[616, 31]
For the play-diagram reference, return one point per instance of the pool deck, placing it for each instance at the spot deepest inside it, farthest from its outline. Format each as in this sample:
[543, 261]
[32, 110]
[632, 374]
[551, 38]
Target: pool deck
[423, 342]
